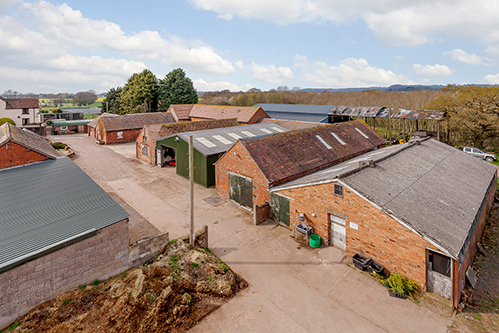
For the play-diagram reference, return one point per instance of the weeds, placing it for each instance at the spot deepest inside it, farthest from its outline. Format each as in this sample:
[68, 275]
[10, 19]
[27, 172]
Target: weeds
[95, 283]
[12, 327]
[223, 267]
[194, 264]
[187, 297]
[64, 302]
[175, 268]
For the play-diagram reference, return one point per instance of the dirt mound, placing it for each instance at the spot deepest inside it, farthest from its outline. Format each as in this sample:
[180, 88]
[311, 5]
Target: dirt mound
[170, 294]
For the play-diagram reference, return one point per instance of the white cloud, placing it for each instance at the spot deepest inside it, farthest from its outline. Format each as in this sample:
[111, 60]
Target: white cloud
[62, 23]
[202, 85]
[463, 56]
[6, 4]
[271, 73]
[432, 70]
[97, 65]
[492, 79]
[239, 64]
[395, 22]
[349, 72]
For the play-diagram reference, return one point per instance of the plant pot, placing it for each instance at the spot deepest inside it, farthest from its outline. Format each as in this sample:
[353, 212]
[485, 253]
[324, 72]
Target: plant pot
[373, 266]
[396, 295]
[361, 262]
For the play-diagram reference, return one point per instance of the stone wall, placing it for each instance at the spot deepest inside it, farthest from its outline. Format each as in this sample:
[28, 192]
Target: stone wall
[98, 257]
[146, 248]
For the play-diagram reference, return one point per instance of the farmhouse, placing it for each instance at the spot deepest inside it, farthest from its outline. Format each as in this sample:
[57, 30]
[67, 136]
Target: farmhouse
[209, 146]
[253, 165]
[19, 147]
[418, 209]
[58, 230]
[245, 115]
[146, 141]
[111, 128]
[22, 111]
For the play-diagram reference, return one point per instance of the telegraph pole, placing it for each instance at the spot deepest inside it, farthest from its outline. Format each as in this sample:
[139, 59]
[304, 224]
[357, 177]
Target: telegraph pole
[191, 192]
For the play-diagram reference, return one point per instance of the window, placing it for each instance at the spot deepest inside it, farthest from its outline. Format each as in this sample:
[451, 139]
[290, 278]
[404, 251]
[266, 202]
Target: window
[64, 128]
[119, 135]
[439, 263]
[25, 111]
[25, 121]
[145, 150]
[338, 190]
[468, 150]
[477, 151]
[144, 138]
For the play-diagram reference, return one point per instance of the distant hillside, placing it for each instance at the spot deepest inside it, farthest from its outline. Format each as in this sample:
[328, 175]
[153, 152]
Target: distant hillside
[395, 87]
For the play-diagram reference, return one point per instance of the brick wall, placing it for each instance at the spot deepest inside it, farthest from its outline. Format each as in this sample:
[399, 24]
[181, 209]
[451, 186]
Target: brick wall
[151, 151]
[98, 257]
[472, 248]
[380, 237]
[128, 136]
[257, 116]
[146, 248]
[261, 213]
[13, 154]
[241, 164]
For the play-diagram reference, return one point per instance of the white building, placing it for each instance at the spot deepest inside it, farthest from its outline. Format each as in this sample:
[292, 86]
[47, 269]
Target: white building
[22, 111]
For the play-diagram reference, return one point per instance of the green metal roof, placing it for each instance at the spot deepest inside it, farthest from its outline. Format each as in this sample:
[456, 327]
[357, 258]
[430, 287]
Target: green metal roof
[48, 203]
[62, 122]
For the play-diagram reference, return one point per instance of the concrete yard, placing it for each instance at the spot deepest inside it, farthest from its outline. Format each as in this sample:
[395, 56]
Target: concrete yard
[292, 287]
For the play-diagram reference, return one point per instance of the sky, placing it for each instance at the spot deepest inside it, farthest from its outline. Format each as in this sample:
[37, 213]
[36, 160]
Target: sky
[71, 46]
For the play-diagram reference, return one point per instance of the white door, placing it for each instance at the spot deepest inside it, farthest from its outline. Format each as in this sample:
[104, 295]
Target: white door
[338, 232]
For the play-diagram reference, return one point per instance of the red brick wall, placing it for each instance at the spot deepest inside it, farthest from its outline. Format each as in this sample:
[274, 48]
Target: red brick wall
[150, 148]
[471, 253]
[13, 154]
[258, 115]
[380, 237]
[128, 136]
[98, 257]
[241, 164]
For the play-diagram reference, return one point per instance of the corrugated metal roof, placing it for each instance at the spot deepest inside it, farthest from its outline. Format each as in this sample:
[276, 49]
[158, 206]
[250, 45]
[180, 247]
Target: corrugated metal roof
[433, 187]
[356, 111]
[290, 124]
[308, 117]
[296, 153]
[63, 122]
[27, 139]
[49, 202]
[295, 108]
[208, 142]
[384, 112]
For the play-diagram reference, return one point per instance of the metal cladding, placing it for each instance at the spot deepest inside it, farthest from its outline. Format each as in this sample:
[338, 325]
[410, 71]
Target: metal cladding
[384, 112]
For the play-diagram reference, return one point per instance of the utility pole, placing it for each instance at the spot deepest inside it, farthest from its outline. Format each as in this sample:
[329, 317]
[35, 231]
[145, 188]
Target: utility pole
[107, 106]
[191, 192]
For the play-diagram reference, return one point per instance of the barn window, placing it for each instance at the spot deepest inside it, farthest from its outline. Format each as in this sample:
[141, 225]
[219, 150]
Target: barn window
[145, 150]
[119, 135]
[338, 190]
[64, 128]
[439, 263]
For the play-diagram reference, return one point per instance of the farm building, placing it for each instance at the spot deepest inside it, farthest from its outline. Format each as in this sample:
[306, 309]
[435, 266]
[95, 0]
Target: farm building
[253, 165]
[22, 111]
[419, 209]
[62, 126]
[58, 230]
[209, 146]
[19, 146]
[111, 128]
[245, 115]
[146, 141]
[289, 124]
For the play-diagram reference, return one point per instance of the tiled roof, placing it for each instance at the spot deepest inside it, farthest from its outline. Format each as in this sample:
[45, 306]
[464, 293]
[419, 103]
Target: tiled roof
[243, 114]
[155, 132]
[134, 120]
[95, 121]
[289, 124]
[21, 103]
[49, 203]
[27, 139]
[292, 154]
[180, 112]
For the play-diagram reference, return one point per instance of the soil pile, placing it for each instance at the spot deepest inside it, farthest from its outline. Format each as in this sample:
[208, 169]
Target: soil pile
[170, 294]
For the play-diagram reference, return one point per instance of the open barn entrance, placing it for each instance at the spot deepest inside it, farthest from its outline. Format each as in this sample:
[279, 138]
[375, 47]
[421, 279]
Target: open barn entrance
[168, 155]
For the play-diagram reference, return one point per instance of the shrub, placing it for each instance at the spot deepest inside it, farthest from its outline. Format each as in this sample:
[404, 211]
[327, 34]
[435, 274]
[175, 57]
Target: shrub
[59, 145]
[7, 120]
[401, 285]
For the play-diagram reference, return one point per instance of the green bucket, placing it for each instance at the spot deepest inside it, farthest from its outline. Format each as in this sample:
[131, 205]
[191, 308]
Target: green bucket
[315, 241]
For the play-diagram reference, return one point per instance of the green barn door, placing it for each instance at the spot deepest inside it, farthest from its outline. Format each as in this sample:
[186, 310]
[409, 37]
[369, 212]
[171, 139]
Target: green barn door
[241, 190]
[279, 208]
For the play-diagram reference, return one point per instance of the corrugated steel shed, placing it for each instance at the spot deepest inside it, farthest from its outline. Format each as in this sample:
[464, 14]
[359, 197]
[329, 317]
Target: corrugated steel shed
[384, 112]
[63, 122]
[356, 111]
[49, 202]
[219, 140]
[308, 117]
[296, 108]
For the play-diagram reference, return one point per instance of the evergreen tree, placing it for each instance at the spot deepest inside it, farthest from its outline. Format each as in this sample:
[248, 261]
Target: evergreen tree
[140, 93]
[112, 103]
[176, 88]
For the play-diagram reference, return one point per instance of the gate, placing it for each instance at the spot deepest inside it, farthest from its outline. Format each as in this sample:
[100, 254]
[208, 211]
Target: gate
[241, 190]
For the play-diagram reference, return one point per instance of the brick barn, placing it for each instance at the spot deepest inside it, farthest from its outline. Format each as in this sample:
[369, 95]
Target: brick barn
[209, 146]
[146, 141]
[62, 126]
[253, 165]
[245, 115]
[111, 128]
[419, 209]
[58, 230]
[19, 147]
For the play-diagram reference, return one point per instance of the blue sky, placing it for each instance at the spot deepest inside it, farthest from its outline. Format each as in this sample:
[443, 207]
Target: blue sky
[71, 46]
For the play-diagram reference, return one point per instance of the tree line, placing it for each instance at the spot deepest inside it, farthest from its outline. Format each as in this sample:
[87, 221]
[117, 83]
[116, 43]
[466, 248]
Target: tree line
[143, 92]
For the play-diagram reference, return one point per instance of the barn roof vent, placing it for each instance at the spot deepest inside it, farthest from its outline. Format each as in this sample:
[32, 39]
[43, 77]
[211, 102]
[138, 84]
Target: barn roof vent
[323, 142]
